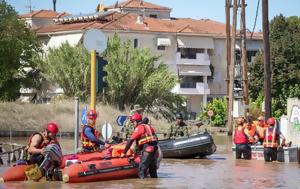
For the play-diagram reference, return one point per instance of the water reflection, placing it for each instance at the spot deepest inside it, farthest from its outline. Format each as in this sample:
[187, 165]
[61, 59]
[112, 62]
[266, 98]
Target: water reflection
[220, 170]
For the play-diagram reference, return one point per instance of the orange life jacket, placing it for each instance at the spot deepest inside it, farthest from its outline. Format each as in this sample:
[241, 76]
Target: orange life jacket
[260, 129]
[270, 139]
[239, 136]
[85, 141]
[148, 135]
[252, 132]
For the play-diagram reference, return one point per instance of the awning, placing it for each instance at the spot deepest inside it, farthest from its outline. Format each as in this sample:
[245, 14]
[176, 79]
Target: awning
[163, 42]
[194, 70]
[57, 41]
[195, 42]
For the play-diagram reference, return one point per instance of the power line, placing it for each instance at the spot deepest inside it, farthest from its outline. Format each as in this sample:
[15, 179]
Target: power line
[257, 7]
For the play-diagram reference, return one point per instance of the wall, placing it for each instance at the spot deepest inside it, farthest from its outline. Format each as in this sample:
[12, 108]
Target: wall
[293, 129]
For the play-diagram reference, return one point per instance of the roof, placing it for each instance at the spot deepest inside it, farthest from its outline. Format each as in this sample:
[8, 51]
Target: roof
[138, 4]
[127, 22]
[44, 14]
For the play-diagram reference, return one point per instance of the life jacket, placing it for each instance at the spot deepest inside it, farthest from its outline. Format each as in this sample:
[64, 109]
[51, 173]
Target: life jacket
[252, 132]
[42, 144]
[148, 136]
[86, 142]
[270, 139]
[239, 136]
[260, 129]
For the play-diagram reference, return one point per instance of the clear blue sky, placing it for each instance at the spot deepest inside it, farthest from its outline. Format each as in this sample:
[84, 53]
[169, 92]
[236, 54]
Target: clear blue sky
[212, 9]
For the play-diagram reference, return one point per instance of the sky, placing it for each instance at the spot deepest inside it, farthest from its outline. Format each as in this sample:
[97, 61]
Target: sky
[197, 9]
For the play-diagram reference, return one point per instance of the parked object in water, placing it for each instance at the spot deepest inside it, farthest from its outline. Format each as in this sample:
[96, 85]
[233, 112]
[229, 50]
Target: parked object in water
[201, 144]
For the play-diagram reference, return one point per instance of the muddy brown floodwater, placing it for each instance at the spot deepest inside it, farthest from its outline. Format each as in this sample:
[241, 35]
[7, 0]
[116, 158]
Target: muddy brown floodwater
[220, 170]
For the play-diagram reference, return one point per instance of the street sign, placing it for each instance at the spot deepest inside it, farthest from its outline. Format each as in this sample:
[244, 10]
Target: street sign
[106, 131]
[210, 113]
[121, 120]
[94, 39]
[83, 116]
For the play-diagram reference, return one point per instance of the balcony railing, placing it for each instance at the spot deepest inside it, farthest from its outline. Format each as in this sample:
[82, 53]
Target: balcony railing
[201, 59]
[190, 88]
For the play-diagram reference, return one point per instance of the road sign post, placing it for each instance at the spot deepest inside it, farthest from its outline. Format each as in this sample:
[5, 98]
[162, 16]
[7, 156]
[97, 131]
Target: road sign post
[210, 113]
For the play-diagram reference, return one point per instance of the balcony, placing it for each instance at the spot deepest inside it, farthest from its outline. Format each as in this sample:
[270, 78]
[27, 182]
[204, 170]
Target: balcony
[190, 88]
[201, 59]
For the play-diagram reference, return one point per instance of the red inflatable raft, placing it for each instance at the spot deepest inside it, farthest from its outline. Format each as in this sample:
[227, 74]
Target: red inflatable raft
[111, 169]
[17, 173]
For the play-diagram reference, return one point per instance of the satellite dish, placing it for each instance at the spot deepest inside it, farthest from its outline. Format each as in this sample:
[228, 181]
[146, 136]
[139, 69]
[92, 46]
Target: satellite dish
[106, 131]
[94, 39]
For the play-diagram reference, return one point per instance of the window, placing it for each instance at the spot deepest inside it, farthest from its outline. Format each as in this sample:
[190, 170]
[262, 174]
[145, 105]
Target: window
[135, 43]
[190, 81]
[190, 53]
[250, 54]
[161, 48]
[153, 16]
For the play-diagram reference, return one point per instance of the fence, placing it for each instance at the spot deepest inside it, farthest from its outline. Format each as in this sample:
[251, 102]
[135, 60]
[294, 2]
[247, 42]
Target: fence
[15, 152]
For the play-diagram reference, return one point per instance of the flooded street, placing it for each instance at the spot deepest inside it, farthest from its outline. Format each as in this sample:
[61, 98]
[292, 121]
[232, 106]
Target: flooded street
[220, 170]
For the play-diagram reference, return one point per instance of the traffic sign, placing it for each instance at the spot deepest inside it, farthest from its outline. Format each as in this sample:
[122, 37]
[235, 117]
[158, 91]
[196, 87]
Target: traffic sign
[210, 113]
[83, 116]
[94, 39]
[121, 120]
[106, 131]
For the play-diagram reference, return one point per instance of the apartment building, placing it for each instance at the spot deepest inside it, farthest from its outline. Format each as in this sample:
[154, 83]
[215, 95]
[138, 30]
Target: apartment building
[193, 49]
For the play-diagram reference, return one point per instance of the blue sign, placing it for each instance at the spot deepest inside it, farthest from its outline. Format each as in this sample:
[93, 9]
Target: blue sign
[121, 119]
[83, 116]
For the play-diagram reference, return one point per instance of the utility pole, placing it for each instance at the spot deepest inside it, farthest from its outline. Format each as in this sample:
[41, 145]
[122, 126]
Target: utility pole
[228, 50]
[267, 65]
[231, 68]
[244, 59]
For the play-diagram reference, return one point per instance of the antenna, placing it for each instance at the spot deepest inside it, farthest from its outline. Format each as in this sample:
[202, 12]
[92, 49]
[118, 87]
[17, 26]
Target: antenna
[54, 5]
[29, 6]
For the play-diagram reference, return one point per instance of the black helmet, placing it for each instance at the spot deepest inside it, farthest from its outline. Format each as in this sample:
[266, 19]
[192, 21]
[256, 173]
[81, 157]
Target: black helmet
[179, 116]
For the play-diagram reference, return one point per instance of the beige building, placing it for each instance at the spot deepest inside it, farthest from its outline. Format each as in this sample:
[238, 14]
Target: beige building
[189, 47]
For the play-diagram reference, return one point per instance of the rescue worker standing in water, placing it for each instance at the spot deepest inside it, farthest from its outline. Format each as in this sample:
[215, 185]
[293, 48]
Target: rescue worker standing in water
[241, 141]
[271, 140]
[260, 127]
[250, 130]
[146, 139]
[89, 135]
[38, 141]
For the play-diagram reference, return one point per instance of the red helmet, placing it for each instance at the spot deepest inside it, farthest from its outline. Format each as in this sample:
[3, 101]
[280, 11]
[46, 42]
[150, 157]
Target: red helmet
[92, 114]
[136, 117]
[271, 121]
[52, 127]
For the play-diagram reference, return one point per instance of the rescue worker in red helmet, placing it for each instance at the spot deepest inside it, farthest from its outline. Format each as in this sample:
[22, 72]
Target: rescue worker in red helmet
[38, 141]
[146, 139]
[271, 140]
[89, 135]
[241, 139]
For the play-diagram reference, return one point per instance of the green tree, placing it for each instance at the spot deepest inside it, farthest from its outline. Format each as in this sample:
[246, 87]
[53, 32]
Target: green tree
[17, 46]
[135, 75]
[68, 67]
[219, 107]
[285, 61]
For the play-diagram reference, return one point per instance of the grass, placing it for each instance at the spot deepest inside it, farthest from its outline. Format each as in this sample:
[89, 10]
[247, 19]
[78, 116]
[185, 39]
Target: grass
[31, 117]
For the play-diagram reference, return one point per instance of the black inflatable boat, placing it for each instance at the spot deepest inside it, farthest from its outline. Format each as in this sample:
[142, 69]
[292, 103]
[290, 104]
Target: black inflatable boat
[198, 145]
